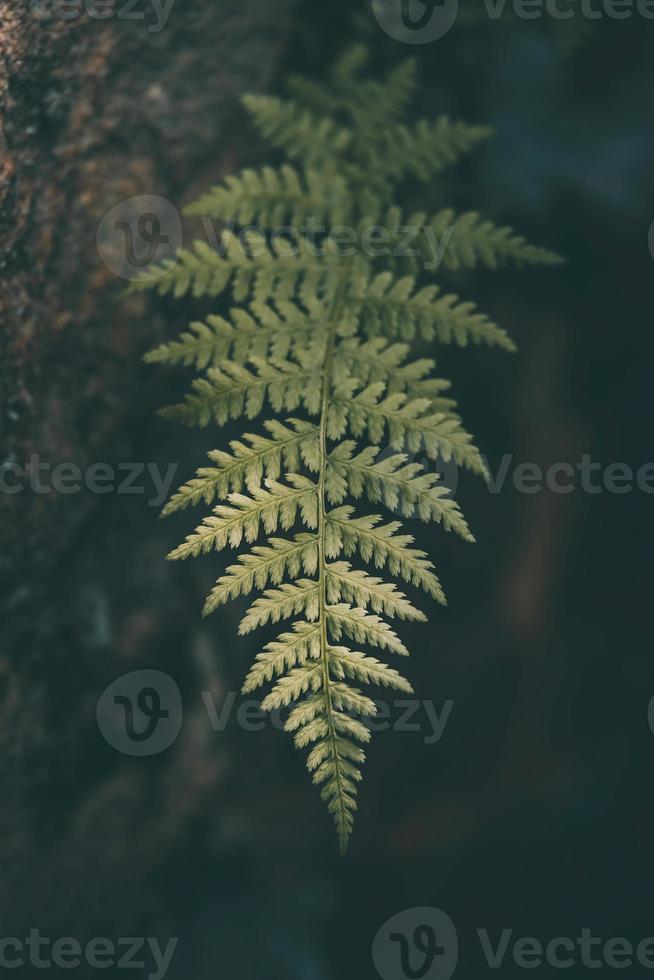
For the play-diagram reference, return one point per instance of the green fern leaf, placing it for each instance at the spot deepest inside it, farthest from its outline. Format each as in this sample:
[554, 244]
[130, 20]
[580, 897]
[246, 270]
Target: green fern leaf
[232, 390]
[274, 506]
[401, 486]
[261, 331]
[328, 329]
[298, 132]
[426, 149]
[391, 307]
[266, 564]
[405, 423]
[272, 198]
[472, 241]
[363, 628]
[380, 546]
[287, 651]
[286, 447]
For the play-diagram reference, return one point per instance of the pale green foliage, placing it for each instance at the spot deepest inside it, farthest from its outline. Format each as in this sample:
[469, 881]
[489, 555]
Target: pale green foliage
[328, 332]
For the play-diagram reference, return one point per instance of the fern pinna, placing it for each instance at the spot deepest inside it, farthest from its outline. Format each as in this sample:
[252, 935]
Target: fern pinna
[325, 323]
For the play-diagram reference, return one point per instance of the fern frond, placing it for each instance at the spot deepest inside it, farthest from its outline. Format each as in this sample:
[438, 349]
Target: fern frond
[381, 545]
[286, 447]
[232, 390]
[301, 134]
[266, 563]
[404, 422]
[370, 109]
[348, 66]
[287, 651]
[367, 591]
[327, 328]
[395, 308]
[377, 360]
[363, 627]
[290, 599]
[472, 241]
[370, 104]
[249, 264]
[424, 150]
[340, 778]
[293, 685]
[261, 331]
[272, 198]
[274, 506]
[400, 486]
[366, 670]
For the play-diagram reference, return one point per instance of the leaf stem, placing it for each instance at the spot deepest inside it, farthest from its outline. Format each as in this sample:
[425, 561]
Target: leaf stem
[332, 321]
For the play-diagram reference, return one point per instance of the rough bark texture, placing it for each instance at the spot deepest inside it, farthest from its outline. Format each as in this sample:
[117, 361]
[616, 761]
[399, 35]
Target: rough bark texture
[93, 112]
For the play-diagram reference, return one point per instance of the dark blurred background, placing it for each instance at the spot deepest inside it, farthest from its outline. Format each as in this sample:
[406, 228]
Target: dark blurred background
[534, 811]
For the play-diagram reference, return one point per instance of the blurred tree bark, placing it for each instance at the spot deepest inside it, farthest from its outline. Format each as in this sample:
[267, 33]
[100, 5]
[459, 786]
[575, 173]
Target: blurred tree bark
[91, 112]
